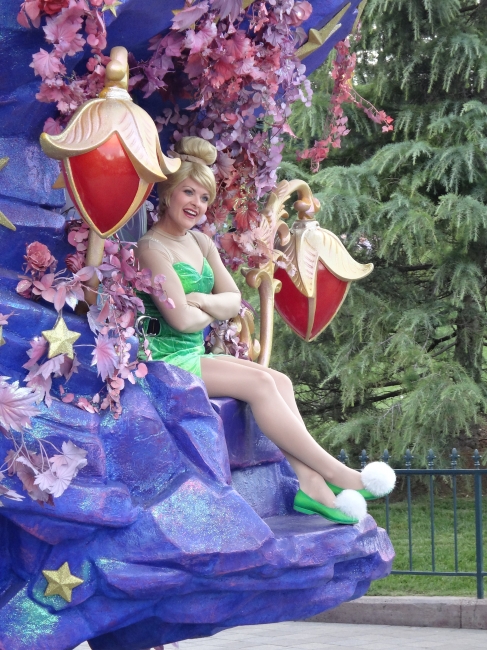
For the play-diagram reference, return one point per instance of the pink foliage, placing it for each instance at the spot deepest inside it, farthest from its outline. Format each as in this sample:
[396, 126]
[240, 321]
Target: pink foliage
[189, 15]
[224, 336]
[42, 477]
[17, 405]
[112, 322]
[232, 71]
[69, 26]
[343, 92]
[105, 356]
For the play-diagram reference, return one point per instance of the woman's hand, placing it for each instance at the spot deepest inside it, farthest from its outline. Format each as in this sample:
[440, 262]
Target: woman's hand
[221, 306]
[196, 299]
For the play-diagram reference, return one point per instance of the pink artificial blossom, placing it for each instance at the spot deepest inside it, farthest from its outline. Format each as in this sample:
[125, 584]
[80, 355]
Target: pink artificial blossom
[16, 405]
[39, 257]
[47, 65]
[343, 92]
[105, 356]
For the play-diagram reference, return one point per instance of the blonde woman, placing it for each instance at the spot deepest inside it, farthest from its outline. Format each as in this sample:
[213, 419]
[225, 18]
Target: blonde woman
[203, 291]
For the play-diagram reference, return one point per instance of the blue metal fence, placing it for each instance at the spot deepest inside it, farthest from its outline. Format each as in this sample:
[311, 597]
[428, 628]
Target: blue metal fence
[431, 473]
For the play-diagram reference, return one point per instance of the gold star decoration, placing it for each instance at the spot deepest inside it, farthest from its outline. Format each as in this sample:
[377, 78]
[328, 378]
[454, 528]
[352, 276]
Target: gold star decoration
[317, 38]
[3, 219]
[112, 7]
[60, 339]
[61, 582]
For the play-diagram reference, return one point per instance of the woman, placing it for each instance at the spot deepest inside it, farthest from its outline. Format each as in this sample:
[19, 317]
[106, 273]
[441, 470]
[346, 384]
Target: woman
[202, 291]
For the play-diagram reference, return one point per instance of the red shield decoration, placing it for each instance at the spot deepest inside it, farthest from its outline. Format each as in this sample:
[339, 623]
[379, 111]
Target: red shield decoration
[310, 299]
[104, 186]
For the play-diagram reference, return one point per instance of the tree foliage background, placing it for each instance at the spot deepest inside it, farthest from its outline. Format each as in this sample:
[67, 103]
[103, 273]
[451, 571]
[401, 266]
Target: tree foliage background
[402, 365]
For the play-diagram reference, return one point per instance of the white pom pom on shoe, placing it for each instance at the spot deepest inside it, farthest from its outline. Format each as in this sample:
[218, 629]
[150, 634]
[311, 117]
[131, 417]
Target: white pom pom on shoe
[378, 478]
[352, 504]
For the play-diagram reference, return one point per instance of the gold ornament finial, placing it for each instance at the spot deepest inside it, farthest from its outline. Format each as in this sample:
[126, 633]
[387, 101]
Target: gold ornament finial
[60, 339]
[317, 38]
[61, 582]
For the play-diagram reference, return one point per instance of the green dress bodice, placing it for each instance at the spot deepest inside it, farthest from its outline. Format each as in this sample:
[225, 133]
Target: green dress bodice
[179, 348]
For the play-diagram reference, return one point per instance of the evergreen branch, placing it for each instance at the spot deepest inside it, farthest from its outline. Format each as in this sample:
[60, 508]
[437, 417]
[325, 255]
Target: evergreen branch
[418, 267]
[436, 342]
[444, 350]
[482, 3]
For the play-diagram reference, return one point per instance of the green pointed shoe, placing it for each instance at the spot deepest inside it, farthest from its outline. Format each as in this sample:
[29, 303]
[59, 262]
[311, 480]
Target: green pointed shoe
[368, 496]
[378, 479]
[356, 511]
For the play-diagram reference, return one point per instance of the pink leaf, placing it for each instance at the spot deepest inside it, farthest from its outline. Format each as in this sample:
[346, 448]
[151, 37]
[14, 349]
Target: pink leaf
[38, 349]
[60, 298]
[230, 8]
[105, 357]
[41, 384]
[86, 273]
[141, 370]
[187, 17]
[104, 313]
[47, 65]
[16, 405]
[84, 404]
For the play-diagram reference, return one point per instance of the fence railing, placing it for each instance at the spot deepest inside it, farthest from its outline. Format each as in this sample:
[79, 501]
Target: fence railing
[431, 474]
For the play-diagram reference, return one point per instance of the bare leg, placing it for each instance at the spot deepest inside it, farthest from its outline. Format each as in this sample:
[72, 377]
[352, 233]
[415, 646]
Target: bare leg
[310, 480]
[256, 385]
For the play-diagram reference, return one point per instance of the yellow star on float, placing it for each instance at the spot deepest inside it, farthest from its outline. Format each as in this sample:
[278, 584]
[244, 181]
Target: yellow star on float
[61, 582]
[3, 219]
[112, 7]
[60, 339]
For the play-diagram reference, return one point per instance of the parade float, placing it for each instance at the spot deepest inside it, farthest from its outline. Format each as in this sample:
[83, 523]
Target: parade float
[134, 511]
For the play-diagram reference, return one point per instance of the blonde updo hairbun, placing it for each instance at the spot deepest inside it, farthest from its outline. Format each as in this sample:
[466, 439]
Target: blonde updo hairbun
[199, 171]
[193, 146]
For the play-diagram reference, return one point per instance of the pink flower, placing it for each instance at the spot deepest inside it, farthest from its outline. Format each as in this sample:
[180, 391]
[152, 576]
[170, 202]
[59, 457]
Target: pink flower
[51, 7]
[47, 65]
[75, 262]
[39, 257]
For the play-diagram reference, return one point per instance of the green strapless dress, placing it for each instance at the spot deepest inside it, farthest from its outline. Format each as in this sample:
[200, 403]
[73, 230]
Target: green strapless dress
[178, 348]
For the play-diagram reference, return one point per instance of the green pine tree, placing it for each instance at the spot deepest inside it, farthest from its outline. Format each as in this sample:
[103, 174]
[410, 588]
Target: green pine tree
[403, 363]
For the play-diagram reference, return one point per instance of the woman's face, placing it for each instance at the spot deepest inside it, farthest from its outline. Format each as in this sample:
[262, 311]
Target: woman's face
[188, 203]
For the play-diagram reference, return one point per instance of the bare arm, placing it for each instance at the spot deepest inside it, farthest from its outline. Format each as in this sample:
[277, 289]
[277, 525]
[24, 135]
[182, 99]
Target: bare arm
[184, 317]
[224, 302]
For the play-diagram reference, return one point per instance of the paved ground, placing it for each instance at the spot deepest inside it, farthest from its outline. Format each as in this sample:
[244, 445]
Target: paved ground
[326, 636]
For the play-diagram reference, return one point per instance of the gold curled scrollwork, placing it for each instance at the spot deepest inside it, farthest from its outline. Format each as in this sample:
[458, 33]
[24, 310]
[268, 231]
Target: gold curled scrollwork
[271, 227]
